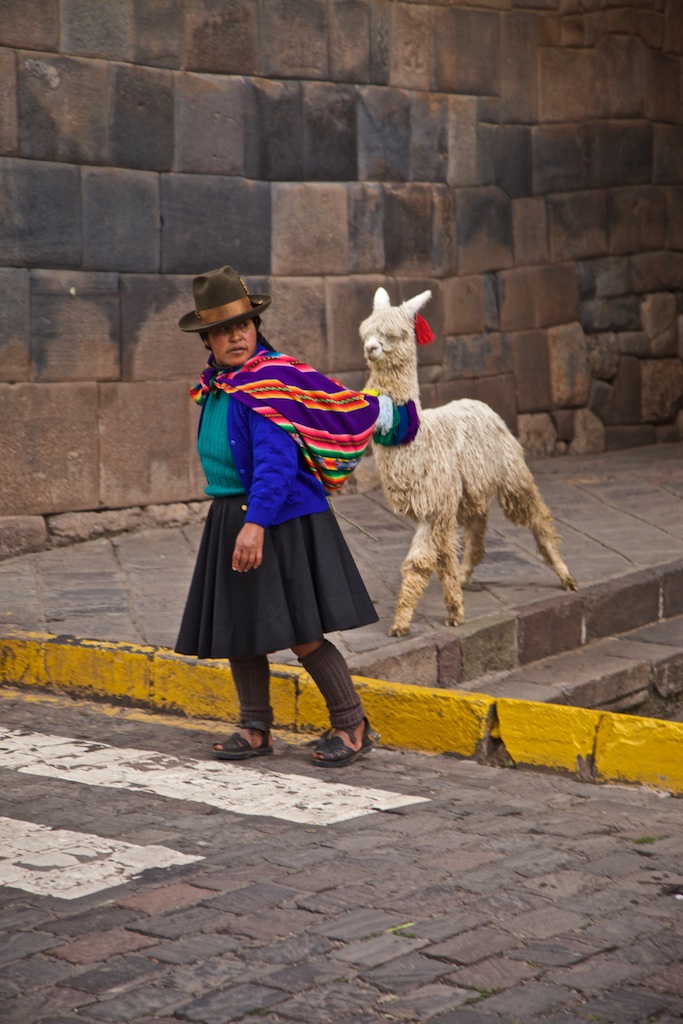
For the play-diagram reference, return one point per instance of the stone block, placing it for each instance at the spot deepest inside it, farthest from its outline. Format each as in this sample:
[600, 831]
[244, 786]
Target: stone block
[549, 627]
[49, 449]
[329, 132]
[32, 24]
[672, 591]
[499, 393]
[659, 317]
[383, 134]
[451, 391]
[489, 645]
[462, 141]
[557, 159]
[348, 302]
[210, 220]
[467, 49]
[484, 230]
[463, 300]
[151, 306]
[636, 218]
[619, 314]
[617, 153]
[366, 227]
[504, 158]
[54, 122]
[620, 437]
[157, 32]
[478, 355]
[97, 30]
[140, 466]
[293, 39]
[663, 96]
[15, 332]
[621, 76]
[75, 326]
[589, 434]
[661, 389]
[408, 225]
[403, 661]
[577, 225]
[310, 229]
[429, 120]
[212, 29]
[411, 56]
[566, 91]
[294, 298]
[519, 52]
[274, 134]
[537, 435]
[603, 355]
[9, 122]
[141, 132]
[529, 231]
[668, 154]
[19, 535]
[620, 404]
[621, 605]
[444, 235]
[349, 34]
[674, 197]
[538, 296]
[654, 271]
[121, 228]
[40, 216]
[210, 115]
[632, 343]
[531, 369]
[604, 278]
[568, 362]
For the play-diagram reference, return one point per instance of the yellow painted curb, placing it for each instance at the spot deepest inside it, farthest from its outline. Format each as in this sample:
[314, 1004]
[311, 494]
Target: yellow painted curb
[593, 745]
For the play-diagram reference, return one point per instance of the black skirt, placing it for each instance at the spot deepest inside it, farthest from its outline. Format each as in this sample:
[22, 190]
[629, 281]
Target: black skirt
[306, 585]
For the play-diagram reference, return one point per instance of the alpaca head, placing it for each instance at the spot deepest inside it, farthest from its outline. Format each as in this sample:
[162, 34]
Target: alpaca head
[388, 334]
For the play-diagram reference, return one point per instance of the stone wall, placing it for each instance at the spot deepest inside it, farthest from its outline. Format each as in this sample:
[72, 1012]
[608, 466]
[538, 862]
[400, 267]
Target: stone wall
[521, 158]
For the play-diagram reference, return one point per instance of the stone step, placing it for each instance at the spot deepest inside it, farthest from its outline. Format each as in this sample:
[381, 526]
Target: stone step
[640, 671]
[510, 644]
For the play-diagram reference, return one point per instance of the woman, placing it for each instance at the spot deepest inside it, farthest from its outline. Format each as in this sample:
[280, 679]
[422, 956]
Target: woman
[273, 570]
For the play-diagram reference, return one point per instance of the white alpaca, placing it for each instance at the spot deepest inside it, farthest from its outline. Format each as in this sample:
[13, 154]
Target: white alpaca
[462, 456]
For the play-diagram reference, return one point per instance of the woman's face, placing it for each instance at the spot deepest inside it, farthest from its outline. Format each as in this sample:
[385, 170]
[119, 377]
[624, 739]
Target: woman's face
[232, 344]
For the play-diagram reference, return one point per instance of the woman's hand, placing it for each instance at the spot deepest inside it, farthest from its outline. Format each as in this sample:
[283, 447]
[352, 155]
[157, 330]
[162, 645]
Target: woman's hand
[248, 553]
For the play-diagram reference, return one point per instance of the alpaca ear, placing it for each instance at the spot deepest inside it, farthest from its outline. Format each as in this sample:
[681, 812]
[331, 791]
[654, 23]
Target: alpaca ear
[414, 305]
[381, 300]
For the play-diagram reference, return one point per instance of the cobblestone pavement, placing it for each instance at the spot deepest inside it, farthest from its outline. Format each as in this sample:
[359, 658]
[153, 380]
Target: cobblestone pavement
[498, 897]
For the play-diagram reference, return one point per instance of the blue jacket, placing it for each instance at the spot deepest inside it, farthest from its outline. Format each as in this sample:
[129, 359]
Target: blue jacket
[278, 484]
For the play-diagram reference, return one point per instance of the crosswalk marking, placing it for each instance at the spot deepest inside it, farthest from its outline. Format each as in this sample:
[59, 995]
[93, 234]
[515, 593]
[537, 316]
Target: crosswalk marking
[230, 787]
[56, 862]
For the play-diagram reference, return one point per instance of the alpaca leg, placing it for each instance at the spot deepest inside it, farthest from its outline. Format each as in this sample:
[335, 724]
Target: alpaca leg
[473, 532]
[449, 573]
[524, 506]
[417, 568]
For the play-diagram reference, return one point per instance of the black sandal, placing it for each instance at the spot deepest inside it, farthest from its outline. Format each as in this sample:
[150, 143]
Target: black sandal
[336, 754]
[236, 748]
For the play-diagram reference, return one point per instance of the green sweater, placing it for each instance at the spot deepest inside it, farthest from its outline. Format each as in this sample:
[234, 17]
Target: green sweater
[213, 446]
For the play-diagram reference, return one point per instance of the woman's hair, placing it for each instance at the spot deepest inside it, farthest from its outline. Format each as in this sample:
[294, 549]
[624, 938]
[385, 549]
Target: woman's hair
[204, 335]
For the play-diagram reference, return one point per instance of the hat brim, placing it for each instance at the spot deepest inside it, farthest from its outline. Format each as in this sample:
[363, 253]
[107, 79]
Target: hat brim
[191, 324]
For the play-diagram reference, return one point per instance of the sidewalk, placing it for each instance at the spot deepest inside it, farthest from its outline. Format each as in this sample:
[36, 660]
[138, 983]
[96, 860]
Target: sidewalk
[620, 516]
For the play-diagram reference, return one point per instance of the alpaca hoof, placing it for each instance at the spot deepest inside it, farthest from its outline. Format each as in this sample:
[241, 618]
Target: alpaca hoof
[569, 583]
[398, 631]
[454, 620]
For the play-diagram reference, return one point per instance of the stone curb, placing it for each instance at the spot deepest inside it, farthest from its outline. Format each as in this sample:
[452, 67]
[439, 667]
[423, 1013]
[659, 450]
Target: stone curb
[595, 746]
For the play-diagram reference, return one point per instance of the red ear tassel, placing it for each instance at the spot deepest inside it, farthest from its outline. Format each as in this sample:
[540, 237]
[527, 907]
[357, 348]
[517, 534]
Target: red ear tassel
[423, 332]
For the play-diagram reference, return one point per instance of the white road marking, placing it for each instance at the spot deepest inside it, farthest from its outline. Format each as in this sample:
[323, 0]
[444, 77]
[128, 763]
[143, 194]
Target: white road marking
[68, 865]
[231, 787]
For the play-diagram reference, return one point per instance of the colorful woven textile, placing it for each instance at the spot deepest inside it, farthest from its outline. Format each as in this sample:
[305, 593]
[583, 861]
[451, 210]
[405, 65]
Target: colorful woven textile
[331, 424]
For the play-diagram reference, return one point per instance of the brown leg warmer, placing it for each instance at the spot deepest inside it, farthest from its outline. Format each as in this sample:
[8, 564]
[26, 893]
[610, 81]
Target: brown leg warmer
[252, 682]
[328, 669]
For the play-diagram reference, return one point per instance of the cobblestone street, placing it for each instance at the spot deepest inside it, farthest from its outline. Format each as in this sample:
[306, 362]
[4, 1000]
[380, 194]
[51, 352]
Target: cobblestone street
[497, 896]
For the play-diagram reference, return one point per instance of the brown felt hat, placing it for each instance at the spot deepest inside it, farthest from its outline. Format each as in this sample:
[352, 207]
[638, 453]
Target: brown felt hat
[221, 297]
